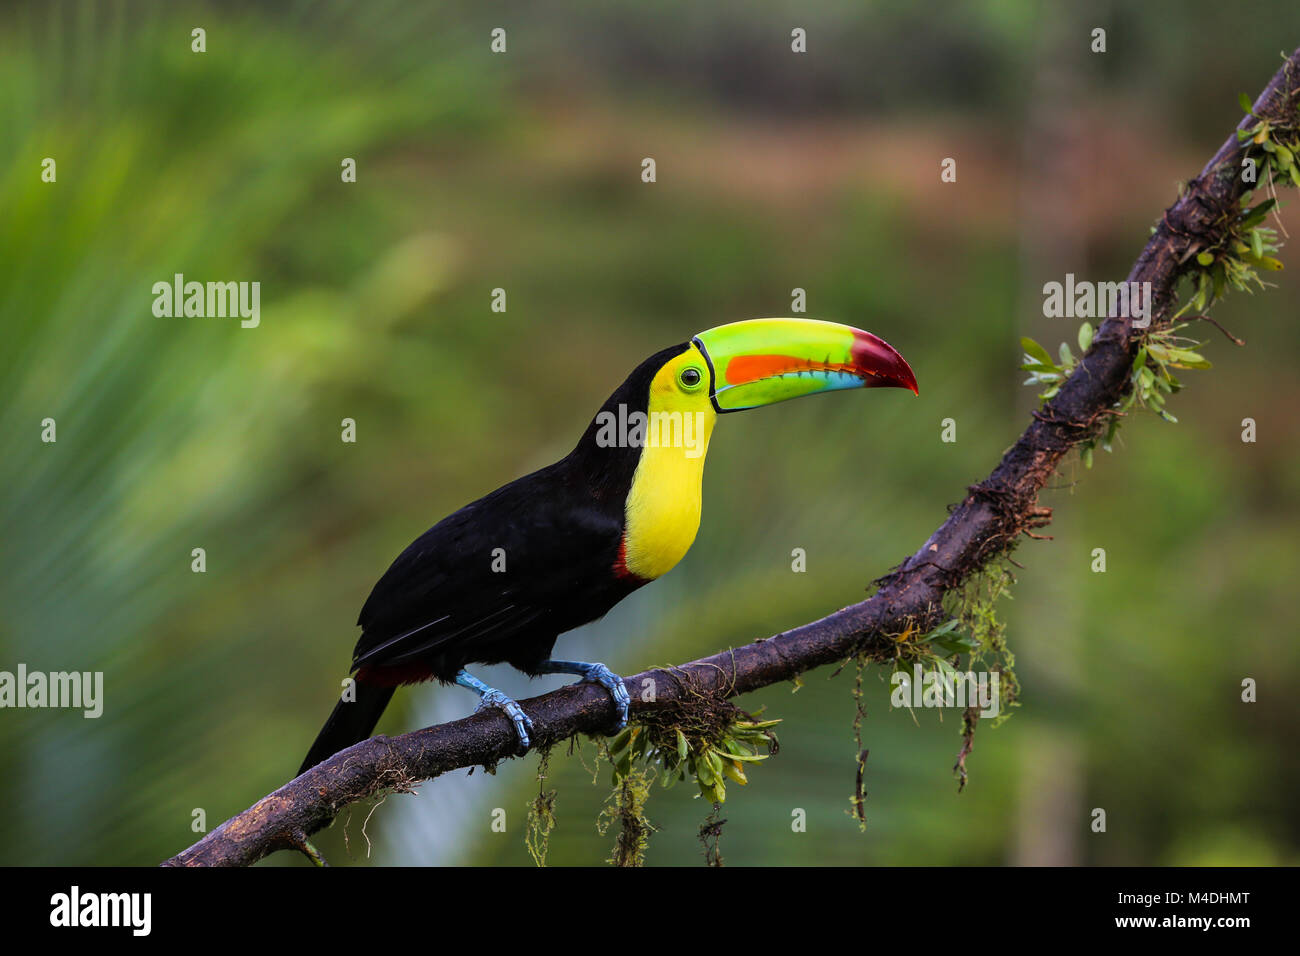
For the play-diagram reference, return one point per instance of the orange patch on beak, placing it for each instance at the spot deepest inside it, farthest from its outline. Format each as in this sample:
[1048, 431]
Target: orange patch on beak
[751, 368]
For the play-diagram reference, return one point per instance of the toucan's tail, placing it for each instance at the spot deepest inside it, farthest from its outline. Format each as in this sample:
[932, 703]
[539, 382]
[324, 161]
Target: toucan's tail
[352, 722]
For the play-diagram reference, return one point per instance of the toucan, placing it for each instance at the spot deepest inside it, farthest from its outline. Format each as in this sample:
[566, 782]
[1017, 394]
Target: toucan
[500, 579]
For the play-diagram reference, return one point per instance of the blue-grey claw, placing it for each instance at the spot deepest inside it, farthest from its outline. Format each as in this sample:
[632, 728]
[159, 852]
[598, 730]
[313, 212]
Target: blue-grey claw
[602, 675]
[523, 723]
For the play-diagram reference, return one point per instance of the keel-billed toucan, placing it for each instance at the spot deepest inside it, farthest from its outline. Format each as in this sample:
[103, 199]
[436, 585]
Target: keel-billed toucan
[501, 578]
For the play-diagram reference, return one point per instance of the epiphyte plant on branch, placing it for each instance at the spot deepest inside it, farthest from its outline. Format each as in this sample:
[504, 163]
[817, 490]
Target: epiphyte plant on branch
[500, 579]
[1230, 256]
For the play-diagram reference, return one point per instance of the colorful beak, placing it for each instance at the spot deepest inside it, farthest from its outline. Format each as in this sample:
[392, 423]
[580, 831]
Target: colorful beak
[762, 361]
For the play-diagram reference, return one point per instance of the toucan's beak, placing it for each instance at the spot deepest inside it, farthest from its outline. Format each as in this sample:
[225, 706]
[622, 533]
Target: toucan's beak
[762, 361]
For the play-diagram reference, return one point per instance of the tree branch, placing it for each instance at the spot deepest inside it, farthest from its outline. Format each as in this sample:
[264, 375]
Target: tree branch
[984, 526]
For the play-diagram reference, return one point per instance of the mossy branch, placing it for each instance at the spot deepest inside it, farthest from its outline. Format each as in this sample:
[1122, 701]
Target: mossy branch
[985, 525]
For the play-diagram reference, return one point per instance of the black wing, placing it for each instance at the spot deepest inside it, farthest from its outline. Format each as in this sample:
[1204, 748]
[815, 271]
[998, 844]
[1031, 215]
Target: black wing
[443, 599]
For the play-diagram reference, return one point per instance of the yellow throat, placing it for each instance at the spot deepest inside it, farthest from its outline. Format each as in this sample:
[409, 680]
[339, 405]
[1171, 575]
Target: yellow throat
[663, 505]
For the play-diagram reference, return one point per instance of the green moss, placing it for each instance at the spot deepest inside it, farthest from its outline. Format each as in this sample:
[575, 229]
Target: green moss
[541, 813]
[627, 806]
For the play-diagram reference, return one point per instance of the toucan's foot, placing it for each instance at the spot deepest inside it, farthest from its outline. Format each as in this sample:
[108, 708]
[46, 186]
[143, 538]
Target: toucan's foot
[491, 697]
[596, 674]
[510, 707]
[606, 678]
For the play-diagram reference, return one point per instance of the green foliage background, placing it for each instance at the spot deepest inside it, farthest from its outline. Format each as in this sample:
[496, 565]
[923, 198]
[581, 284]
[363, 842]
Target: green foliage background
[522, 171]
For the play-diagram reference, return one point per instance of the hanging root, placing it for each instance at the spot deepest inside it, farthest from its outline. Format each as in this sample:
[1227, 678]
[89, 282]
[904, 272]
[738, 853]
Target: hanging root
[970, 717]
[711, 836]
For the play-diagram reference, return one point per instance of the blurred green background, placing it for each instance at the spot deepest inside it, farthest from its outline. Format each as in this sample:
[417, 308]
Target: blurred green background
[522, 171]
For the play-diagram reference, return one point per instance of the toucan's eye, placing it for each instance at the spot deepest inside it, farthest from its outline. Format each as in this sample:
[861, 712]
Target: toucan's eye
[690, 377]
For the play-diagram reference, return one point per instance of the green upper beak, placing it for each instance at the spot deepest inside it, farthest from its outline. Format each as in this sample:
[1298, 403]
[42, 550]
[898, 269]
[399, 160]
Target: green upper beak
[762, 361]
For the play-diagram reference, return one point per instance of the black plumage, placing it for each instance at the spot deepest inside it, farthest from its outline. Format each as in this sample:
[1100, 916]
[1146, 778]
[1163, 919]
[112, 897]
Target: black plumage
[441, 605]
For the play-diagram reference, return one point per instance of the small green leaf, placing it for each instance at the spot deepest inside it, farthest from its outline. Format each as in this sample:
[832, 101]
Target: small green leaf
[1085, 336]
[704, 773]
[758, 725]
[945, 628]
[734, 773]
[748, 758]
[1036, 352]
[1183, 358]
[715, 763]
[622, 740]
[1159, 352]
[1256, 214]
[1246, 106]
[959, 644]
[1205, 259]
[1140, 359]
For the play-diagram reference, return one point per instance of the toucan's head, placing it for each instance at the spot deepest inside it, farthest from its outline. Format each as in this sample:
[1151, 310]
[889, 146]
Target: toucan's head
[744, 365]
[644, 451]
[760, 362]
